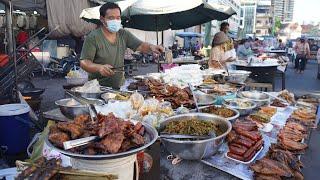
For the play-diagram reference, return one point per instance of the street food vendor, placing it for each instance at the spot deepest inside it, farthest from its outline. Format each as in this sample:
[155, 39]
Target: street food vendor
[104, 48]
[221, 51]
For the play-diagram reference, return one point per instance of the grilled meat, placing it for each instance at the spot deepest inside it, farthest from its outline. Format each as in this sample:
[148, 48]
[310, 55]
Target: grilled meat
[117, 135]
[112, 142]
[271, 167]
[74, 129]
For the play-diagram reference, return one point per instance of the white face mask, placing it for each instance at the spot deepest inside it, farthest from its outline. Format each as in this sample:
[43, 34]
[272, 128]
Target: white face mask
[113, 25]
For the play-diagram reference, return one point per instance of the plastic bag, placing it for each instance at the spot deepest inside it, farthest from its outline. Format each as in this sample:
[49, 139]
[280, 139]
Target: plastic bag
[136, 100]
[149, 106]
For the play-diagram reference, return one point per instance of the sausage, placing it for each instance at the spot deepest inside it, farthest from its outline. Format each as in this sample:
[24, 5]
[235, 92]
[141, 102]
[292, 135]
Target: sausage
[250, 156]
[253, 135]
[234, 156]
[237, 150]
[247, 139]
[238, 145]
[252, 150]
[245, 143]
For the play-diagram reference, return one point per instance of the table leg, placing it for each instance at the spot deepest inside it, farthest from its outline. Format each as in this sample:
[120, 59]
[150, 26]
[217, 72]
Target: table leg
[283, 80]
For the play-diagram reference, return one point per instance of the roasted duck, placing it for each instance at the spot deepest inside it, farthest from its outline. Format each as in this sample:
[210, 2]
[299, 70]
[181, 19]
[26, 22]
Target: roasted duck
[117, 135]
[271, 167]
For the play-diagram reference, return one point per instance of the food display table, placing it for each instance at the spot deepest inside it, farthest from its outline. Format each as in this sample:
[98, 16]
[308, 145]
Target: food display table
[184, 60]
[221, 167]
[264, 73]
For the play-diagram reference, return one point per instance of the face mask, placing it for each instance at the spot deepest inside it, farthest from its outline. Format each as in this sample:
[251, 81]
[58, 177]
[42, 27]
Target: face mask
[113, 25]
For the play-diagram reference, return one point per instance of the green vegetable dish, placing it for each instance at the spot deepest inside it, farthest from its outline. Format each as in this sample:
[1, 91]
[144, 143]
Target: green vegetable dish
[192, 127]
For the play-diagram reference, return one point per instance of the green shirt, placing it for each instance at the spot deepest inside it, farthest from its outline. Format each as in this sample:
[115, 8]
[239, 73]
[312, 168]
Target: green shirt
[101, 51]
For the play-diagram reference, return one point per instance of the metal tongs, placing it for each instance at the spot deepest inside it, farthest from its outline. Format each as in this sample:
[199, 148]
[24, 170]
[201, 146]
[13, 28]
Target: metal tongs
[186, 136]
[194, 97]
[90, 103]
[182, 136]
[79, 142]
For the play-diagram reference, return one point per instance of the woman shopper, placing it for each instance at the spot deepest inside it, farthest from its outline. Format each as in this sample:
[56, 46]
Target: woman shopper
[303, 52]
[222, 51]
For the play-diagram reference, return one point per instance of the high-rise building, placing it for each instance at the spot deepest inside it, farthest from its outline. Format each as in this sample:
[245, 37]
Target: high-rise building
[248, 17]
[283, 10]
[264, 18]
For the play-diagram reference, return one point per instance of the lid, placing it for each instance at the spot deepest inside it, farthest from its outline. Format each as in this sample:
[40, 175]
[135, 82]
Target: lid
[13, 109]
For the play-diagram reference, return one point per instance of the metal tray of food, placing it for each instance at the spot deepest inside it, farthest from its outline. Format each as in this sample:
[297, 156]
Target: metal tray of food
[150, 136]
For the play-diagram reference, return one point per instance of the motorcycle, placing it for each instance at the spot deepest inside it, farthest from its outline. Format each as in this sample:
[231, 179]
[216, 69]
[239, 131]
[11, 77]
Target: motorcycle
[64, 65]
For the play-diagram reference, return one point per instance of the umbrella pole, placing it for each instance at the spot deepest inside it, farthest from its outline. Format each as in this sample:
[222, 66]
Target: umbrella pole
[156, 19]
[12, 44]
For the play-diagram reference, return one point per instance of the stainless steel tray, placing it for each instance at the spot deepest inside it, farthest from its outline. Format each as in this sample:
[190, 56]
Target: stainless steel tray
[150, 137]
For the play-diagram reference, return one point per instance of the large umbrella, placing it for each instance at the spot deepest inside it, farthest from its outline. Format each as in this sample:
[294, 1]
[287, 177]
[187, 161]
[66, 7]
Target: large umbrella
[188, 34]
[152, 15]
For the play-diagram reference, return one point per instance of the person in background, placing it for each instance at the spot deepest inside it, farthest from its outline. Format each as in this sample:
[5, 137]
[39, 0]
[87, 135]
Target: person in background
[318, 59]
[318, 56]
[22, 37]
[313, 45]
[225, 27]
[220, 45]
[197, 46]
[104, 48]
[303, 52]
[175, 51]
[244, 49]
[281, 45]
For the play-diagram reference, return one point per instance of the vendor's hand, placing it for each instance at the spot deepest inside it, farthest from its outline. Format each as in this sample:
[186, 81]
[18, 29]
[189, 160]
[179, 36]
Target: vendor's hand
[106, 70]
[156, 49]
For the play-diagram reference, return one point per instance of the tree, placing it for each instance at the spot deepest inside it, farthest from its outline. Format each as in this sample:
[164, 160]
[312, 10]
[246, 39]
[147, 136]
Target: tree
[277, 26]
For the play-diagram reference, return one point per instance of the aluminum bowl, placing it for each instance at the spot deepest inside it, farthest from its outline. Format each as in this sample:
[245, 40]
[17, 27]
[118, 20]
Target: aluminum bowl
[238, 76]
[258, 97]
[196, 150]
[204, 99]
[95, 95]
[242, 110]
[231, 119]
[150, 136]
[72, 111]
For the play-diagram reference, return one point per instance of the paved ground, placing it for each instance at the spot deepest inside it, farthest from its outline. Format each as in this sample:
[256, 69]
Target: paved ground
[298, 83]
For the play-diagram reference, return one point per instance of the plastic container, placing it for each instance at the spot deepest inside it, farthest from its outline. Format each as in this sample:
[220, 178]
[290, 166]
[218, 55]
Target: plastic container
[14, 128]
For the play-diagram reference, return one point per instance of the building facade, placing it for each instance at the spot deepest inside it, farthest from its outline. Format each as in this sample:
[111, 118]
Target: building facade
[234, 20]
[248, 17]
[264, 18]
[283, 10]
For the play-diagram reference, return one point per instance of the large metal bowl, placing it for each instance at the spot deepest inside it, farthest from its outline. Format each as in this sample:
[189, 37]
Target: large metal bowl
[204, 99]
[238, 76]
[242, 110]
[231, 119]
[150, 136]
[95, 95]
[198, 149]
[258, 97]
[72, 111]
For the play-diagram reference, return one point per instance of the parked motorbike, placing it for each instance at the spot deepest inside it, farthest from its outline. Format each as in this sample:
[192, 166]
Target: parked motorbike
[63, 66]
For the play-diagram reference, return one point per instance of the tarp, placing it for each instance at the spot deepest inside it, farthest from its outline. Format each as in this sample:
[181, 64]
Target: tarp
[152, 15]
[29, 5]
[188, 34]
[65, 13]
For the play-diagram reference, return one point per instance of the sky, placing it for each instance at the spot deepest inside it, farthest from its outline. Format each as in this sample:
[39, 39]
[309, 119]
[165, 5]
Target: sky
[306, 11]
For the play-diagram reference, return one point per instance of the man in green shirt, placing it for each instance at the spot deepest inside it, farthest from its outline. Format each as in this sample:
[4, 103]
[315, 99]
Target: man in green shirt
[104, 48]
